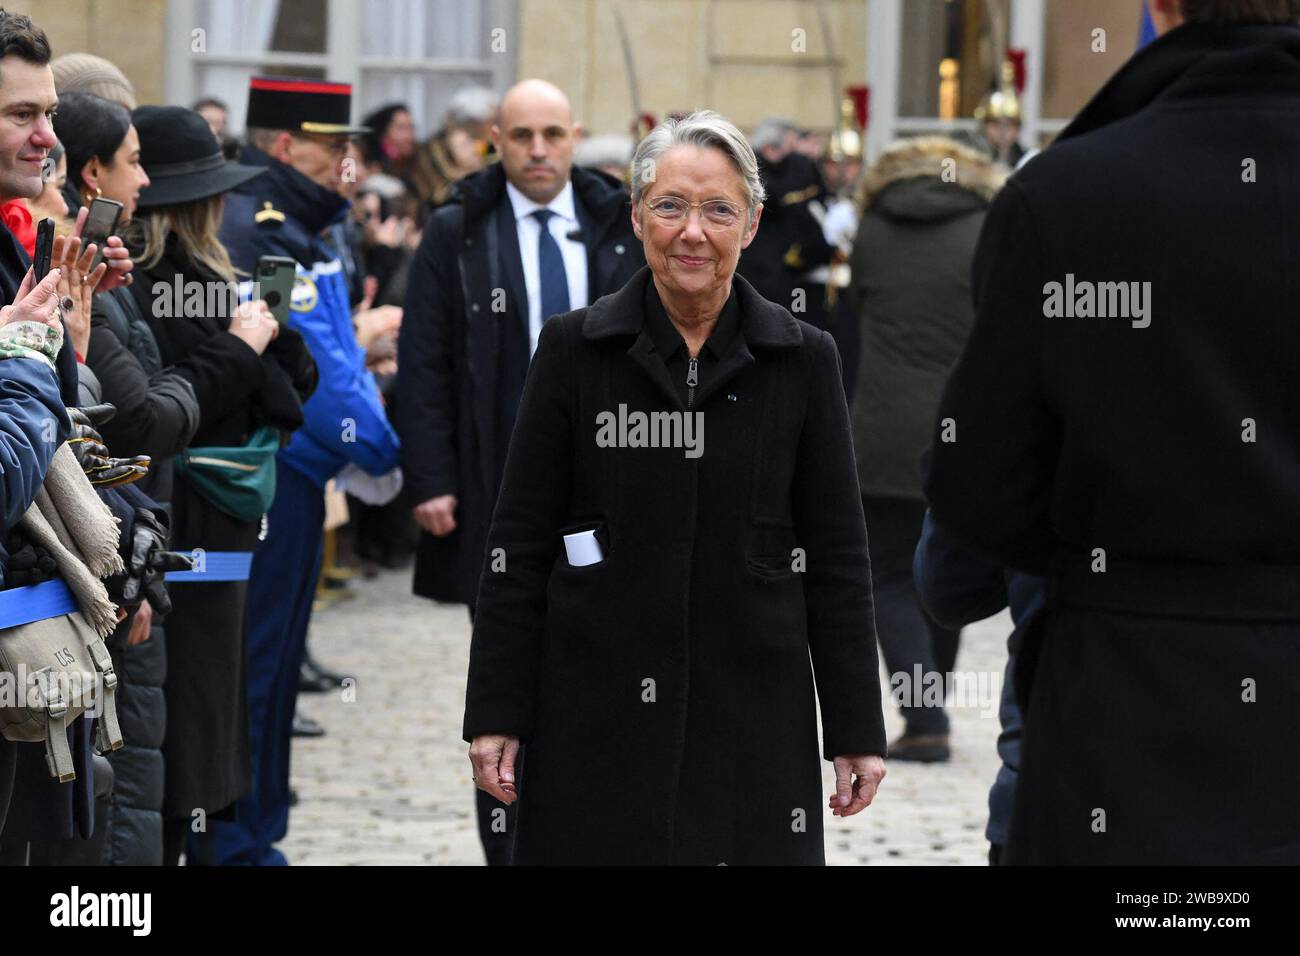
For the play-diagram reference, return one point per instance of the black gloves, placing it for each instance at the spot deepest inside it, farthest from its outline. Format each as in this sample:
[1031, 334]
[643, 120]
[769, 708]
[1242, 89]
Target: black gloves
[147, 561]
[87, 444]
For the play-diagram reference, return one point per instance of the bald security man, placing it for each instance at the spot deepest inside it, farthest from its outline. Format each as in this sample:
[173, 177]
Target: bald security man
[525, 239]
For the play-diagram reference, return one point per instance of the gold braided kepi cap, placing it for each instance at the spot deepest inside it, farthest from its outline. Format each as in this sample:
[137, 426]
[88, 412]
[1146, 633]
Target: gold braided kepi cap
[310, 106]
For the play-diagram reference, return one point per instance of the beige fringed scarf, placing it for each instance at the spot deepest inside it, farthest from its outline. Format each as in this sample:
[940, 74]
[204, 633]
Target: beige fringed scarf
[81, 534]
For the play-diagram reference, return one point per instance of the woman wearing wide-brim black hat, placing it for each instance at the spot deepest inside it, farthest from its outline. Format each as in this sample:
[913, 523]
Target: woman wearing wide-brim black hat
[180, 159]
[247, 375]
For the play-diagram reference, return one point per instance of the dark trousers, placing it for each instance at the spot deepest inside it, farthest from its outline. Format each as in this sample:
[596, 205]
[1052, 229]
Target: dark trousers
[281, 585]
[496, 830]
[8, 769]
[909, 638]
[175, 832]
[76, 850]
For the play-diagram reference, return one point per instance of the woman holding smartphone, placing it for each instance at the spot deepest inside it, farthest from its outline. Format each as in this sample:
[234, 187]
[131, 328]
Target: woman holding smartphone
[103, 160]
[157, 414]
[156, 409]
[250, 376]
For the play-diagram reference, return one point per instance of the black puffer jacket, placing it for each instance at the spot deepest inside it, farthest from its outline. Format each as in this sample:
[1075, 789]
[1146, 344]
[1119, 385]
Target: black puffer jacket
[157, 414]
[923, 204]
[135, 809]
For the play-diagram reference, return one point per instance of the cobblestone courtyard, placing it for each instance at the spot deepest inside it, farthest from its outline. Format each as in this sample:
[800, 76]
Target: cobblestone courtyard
[394, 785]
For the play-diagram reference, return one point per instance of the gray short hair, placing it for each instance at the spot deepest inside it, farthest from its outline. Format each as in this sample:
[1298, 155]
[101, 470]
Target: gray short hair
[609, 149]
[772, 132]
[470, 106]
[262, 138]
[704, 129]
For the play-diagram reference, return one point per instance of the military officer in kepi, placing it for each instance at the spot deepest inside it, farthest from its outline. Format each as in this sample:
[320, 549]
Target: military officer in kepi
[298, 130]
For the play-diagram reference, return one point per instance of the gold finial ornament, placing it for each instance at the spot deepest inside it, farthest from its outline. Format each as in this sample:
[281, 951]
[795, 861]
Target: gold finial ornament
[949, 88]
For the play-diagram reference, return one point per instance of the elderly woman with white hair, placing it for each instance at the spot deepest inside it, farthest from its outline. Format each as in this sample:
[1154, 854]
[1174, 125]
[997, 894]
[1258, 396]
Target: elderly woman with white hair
[678, 557]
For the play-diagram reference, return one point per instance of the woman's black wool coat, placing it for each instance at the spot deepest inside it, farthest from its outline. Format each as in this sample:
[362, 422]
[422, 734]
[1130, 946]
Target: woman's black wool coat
[665, 696]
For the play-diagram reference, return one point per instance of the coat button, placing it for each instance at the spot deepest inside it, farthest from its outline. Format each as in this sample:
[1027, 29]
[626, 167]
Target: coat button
[618, 250]
[731, 396]
[474, 307]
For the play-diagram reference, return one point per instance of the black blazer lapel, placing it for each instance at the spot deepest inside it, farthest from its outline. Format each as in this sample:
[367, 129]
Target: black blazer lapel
[480, 273]
[512, 263]
[588, 227]
[604, 259]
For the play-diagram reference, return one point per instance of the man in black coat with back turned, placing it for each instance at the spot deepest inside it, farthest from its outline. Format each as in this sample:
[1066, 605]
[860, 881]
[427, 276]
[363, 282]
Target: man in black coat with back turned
[1126, 421]
[486, 276]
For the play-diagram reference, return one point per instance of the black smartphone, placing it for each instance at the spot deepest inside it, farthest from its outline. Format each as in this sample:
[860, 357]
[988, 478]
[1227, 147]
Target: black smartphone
[44, 248]
[100, 223]
[274, 278]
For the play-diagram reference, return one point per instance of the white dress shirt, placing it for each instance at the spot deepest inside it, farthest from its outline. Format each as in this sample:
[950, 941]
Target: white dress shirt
[529, 230]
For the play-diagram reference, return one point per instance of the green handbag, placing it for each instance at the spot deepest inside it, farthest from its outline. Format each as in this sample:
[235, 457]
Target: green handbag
[237, 480]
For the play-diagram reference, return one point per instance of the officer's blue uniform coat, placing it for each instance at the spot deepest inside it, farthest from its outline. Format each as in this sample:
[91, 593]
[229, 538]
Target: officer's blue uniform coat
[345, 421]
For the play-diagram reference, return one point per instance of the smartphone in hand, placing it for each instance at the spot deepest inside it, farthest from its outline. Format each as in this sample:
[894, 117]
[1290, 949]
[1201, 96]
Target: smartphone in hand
[101, 222]
[274, 279]
[44, 249]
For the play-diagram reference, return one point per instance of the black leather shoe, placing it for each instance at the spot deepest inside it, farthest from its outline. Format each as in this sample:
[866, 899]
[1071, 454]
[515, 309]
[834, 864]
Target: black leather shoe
[312, 681]
[921, 748]
[306, 727]
[332, 678]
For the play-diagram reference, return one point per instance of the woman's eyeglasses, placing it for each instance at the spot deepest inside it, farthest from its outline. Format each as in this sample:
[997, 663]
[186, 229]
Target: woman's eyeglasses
[717, 213]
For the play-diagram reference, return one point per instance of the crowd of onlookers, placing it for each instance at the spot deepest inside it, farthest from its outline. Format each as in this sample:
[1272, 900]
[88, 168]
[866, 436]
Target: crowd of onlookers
[191, 404]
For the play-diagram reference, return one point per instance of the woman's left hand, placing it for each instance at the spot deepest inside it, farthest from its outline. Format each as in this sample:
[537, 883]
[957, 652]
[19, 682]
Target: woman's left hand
[76, 288]
[855, 795]
[118, 259]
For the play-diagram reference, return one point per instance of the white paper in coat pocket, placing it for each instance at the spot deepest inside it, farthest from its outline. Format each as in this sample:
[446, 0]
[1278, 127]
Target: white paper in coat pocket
[583, 549]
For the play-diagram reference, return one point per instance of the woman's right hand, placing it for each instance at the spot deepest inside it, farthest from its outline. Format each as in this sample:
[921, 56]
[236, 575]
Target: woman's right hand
[493, 757]
[254, 324]
[35, 301]
[437, 515]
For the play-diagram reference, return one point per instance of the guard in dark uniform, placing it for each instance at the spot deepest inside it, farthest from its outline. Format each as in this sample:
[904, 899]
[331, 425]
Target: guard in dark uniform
[790, 241]
[298, 131]
[999, 116]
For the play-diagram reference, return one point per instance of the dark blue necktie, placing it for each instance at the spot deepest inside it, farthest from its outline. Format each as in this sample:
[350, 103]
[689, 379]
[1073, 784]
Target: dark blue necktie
[550, 266]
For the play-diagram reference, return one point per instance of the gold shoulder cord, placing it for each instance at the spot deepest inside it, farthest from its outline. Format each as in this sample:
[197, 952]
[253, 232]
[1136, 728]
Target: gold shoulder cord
[268, 213]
